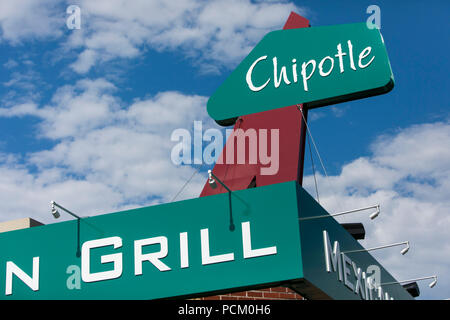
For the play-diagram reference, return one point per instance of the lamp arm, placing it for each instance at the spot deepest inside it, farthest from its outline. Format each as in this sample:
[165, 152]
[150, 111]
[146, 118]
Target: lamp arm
[409, 280]
[380, 247]
[69, 212]
[339, 213]
[220, 181]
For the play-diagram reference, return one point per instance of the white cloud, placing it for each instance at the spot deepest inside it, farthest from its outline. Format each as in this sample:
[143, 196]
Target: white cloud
[19, 110]
[408, 174]
[214, 34]
[11, 63]
[74, 109]
[86, 60]
[22, 83]
[20, 80]
[107, 156]
[29, 19]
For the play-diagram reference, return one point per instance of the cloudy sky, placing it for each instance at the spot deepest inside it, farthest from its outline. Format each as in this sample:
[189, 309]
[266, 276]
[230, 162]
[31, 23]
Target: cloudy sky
[86, 115]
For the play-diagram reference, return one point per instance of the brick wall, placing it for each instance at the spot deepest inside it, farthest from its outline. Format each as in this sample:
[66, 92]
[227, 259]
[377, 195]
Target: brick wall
[277, 293]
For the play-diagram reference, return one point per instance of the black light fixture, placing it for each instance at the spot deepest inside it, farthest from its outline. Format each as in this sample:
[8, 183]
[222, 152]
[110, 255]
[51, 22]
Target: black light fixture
[356, 230]
[56, 215]
[212, 183]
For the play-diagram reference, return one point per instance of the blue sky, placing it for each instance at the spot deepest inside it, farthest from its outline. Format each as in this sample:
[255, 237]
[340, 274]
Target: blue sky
[87, 114]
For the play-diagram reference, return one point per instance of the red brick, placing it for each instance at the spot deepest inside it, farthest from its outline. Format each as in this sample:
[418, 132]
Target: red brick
[227, 298]
[212, 298]
[239, 294]
[279, 289]
[271, 295]
[256, 294]
[260, 294]
[287, 296]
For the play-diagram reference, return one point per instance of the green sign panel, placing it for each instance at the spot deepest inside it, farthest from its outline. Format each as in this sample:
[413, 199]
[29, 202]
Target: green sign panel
[318, 66]
[332, 273]
[187, 248]
[176, 249]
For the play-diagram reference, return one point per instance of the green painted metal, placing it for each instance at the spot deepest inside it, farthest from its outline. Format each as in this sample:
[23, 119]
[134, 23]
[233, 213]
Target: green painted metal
[313, 255]
[372, 75]
[272, 211]
[56, 246]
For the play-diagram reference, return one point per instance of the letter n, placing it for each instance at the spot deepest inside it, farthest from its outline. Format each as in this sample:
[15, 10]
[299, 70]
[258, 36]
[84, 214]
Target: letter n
[31, 282]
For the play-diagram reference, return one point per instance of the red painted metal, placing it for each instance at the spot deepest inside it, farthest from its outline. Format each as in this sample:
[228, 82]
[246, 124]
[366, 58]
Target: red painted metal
[292, 133]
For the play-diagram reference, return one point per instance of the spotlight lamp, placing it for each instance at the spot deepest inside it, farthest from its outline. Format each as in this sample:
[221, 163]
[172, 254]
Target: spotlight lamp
[212, 181]
[406, 249]
[376, 213]
[56, 213]
[433, 283]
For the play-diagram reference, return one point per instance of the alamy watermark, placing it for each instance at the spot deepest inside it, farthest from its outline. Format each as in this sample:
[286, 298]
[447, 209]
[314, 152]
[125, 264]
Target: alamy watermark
[74, 280]
[374, 20]
[373, 276]
[248, 146]
[74, 19]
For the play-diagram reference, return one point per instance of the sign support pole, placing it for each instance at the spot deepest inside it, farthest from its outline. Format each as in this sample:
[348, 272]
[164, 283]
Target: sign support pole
[297, 21]
[303, 133]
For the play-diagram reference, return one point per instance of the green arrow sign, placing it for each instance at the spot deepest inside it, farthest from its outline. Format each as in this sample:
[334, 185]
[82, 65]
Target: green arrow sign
[318, 66]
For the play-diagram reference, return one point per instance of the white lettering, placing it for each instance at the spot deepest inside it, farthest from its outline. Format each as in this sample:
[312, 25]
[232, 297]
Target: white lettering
[184, 251]
[206, 257]
[359, 283]
[31, 282]
[325, 74]
[332, 257]
[339, 55]
[350, 54]
[277, 81]
[307, 77]
[153, 257]
[248, 77]
[294, 70]
[346, 261]
[364, 286]
[116, 258]
[247, 244]
[363, 55]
